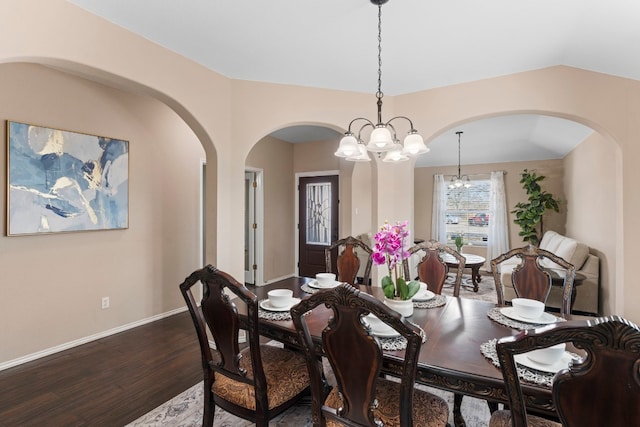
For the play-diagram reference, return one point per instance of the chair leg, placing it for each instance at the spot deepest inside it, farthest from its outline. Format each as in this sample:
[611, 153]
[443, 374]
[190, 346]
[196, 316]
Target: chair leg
[458, 420]
[209, 406]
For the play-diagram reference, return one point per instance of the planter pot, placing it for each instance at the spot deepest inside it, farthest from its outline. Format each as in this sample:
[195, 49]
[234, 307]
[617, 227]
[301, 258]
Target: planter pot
[401, 306]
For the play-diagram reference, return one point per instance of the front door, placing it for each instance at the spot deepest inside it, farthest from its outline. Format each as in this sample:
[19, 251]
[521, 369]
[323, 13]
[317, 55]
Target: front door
[318, 221]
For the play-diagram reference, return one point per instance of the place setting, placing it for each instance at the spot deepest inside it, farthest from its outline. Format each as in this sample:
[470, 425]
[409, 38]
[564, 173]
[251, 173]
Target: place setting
[427, 299]
[536, 366]
[322, 281]
[389, 338]
[523, 313]
[277, 306]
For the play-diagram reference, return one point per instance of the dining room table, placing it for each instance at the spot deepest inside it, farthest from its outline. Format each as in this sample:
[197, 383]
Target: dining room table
[456, 330]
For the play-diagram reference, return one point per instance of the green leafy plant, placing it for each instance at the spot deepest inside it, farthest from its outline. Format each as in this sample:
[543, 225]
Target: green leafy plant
[529, 214]
[459, 241]
[389, 249]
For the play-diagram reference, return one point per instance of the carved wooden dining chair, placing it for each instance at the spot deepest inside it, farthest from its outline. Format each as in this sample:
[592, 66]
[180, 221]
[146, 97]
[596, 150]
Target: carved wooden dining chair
[531, 279]
[601, 390]
[362, 397]
[345, 254]
[256, 383]
[432, 267]
[433, 270]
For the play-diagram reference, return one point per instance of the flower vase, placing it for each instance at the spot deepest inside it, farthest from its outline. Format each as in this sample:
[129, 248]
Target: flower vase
[404, 307]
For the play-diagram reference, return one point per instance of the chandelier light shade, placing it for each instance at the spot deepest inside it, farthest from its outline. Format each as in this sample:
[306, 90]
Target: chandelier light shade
[459, 180]
[383, 137]
[361, 155]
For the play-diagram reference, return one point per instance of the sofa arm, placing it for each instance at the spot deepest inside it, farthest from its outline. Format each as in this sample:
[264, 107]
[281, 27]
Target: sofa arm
[591, 267]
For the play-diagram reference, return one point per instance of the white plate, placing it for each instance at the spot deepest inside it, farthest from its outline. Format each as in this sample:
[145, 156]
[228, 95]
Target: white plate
[423, 295]
[545, 319]
[314, 284]
[388, 331]
[562, 363]
[266, 305]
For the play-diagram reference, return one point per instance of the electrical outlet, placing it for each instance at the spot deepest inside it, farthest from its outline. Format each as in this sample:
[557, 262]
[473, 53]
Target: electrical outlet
[105, 302]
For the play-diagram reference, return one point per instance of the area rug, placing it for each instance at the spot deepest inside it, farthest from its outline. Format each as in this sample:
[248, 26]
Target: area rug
[486, 287]
[185, 410]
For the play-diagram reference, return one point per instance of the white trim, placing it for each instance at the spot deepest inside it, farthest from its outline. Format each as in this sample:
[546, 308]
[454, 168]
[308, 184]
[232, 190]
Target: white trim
[202, 261]
[296, 231]
[259, 241]
[51, 350]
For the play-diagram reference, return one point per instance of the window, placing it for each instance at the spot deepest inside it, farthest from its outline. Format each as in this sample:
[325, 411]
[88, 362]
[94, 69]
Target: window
[319, 214]
[467, 212]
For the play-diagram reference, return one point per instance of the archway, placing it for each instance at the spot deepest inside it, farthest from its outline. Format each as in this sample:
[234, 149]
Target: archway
[596, 161]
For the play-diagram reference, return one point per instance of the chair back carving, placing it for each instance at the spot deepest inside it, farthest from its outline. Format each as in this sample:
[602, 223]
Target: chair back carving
[344, 336]
[433, 269]
[344, 252]
[531, 279]
[602, 389]
[218, 314]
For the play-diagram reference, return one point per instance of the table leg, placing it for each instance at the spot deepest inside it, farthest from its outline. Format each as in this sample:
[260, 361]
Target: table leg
[475, 277]
[458, 419]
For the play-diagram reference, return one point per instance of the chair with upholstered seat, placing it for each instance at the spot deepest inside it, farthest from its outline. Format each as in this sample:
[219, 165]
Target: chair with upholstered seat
[532, 277]
[362, 397]
[256, 383]
[433, 270]
[601, 390]
[347, 262]
[432, 267]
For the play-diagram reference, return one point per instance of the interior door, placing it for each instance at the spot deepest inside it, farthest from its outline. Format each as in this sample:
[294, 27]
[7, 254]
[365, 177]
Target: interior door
[250, 228]
[318, 221]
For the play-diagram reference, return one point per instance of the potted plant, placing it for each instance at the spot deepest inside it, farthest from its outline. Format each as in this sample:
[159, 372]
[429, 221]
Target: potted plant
[529, 214]
[389, 249]
[459, 241]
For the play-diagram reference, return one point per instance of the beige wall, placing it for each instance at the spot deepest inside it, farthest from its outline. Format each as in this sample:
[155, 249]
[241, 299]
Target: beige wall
[590, 180]
[553, 171]
[361, 199]
[52, 285]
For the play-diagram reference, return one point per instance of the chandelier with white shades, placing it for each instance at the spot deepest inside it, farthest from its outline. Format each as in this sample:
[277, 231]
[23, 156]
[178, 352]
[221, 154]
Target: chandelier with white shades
[383, 138]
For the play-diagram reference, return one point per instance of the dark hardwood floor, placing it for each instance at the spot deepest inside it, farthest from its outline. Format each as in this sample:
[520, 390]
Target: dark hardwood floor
[107, 382]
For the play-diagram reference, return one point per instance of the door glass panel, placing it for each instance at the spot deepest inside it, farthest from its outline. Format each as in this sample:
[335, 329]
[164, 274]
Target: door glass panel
[319, 214]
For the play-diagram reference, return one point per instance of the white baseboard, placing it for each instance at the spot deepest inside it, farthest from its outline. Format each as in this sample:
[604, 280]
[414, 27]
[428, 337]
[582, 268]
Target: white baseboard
[84, 340]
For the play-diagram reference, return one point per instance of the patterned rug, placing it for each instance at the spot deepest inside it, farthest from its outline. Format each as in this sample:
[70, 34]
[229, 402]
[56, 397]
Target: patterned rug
[486, 287]
[185, 410]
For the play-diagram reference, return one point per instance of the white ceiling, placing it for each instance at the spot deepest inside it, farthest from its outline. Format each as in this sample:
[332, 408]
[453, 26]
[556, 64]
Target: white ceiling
[425, 44]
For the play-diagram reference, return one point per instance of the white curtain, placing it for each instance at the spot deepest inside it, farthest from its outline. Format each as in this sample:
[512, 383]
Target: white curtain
[498, 239]
[438, 217]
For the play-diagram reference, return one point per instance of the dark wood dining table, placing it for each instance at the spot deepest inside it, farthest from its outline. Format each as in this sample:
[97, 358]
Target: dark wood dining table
[450, 359]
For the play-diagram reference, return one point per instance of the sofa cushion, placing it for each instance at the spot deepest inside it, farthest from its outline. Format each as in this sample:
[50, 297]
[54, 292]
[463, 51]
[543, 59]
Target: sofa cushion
[566, 248]
[551, 241]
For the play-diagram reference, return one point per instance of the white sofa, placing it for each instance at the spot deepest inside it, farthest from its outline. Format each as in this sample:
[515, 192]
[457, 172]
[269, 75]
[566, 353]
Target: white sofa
[575, 253]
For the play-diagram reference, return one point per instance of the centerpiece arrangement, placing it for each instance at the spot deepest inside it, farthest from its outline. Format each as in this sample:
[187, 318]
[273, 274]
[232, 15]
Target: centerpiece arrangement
[390, 249]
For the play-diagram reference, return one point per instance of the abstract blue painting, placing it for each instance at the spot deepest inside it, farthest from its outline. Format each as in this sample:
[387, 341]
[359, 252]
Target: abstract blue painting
[61, 181]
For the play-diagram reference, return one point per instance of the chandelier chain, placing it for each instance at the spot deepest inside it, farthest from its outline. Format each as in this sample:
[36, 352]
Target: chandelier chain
[383, 136]
[379, 94]
[459, 133]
